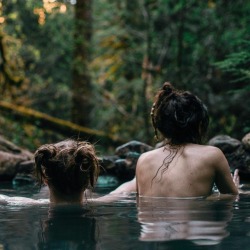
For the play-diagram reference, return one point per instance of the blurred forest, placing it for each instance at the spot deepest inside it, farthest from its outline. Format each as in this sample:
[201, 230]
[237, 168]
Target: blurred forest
[91, 68]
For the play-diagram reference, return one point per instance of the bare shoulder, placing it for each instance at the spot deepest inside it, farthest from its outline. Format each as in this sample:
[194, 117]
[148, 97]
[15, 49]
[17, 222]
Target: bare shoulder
[215, 158]
[148, 156]
[209, 149]
[210, 152]
[204, 155]
[215, 153]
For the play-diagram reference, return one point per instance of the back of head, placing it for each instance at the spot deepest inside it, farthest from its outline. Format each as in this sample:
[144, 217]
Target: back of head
[180, 116]
[69, 167]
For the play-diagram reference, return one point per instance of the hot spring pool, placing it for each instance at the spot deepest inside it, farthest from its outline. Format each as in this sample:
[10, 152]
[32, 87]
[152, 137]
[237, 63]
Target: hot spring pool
[155, 223]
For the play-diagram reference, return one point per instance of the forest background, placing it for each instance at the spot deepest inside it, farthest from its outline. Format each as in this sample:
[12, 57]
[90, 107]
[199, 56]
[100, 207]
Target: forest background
[90, 69]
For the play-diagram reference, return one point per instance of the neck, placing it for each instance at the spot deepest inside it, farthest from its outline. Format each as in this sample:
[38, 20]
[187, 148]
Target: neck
[59, 198]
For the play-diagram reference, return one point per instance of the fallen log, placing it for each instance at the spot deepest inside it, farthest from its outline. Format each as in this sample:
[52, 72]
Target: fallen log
[58, 125]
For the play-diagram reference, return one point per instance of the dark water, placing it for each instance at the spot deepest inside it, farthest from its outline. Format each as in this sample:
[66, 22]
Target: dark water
[125, 224]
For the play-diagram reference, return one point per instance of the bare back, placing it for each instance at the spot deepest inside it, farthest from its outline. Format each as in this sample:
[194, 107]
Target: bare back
[190, 171]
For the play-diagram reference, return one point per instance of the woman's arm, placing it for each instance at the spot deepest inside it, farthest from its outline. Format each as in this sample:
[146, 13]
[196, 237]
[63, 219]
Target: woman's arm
[127, 187]
[225, 182]
[16, 200]
[118, 193]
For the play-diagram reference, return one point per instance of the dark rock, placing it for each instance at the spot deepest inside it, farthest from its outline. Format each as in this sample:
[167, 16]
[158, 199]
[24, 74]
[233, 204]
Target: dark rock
[235, 152]
[7, 146]
[246, 142]
[17, 164]
[11, 158]
[238, 159]
[108, 161]
[9, 164]
[23, 179]
[226, 143]
[124, 169]
[26, 167]
[107, 164]
[132, 146]
[128, 154]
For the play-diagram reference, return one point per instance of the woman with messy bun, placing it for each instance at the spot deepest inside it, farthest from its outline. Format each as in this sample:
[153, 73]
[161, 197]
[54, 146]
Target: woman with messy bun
[68, 168]
[181, 167]
[180, 117]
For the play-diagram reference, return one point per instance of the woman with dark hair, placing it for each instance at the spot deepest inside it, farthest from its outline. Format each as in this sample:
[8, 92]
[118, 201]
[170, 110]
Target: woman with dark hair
[182, 167]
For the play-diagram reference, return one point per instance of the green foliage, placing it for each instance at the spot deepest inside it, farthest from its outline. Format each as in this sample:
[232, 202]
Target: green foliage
[54, 69]
[46, 51]
[234, 71]
[119, 39]
[178, 41]
[202, 46]
[25, 134]
[236, 67]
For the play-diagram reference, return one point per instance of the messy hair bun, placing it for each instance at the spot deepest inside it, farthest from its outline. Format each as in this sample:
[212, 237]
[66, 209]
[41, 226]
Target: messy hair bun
[168, 88]
[87, 161]
[180, 116]
[68, 166]
[163, 94]
[42, 157]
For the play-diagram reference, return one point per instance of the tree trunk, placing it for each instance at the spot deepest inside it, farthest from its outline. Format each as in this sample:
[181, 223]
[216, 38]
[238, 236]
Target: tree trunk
[81, 89]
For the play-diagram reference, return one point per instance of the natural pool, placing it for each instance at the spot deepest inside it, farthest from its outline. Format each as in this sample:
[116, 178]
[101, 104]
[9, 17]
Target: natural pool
[125, 224]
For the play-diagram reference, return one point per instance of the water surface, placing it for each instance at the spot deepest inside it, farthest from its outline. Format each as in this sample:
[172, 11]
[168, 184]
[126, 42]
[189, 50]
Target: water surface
[156, 223]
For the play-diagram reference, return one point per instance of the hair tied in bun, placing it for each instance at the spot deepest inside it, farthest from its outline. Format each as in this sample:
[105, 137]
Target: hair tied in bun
[168, 88]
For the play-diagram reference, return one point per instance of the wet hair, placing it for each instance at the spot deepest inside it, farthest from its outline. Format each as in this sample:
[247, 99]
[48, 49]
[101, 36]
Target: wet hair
[180, 116]
[69, 166]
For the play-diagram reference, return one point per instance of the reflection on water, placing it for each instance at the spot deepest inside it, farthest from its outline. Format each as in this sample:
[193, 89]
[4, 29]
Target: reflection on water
[155, 223]
[201, 221]
[68, 227]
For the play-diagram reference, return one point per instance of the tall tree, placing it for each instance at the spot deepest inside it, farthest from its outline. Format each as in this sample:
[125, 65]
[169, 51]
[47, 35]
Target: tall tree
[81, 86]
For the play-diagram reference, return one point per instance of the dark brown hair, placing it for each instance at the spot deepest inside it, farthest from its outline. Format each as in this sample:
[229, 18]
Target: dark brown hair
[180, 116]
[69, 166]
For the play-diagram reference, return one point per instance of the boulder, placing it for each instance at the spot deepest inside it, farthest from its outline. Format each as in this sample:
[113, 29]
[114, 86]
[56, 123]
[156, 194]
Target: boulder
[235, 151]
[246, 142]
[132, 146]
[11, 160]
[123, 164]
[17, 164]
[226, 143]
